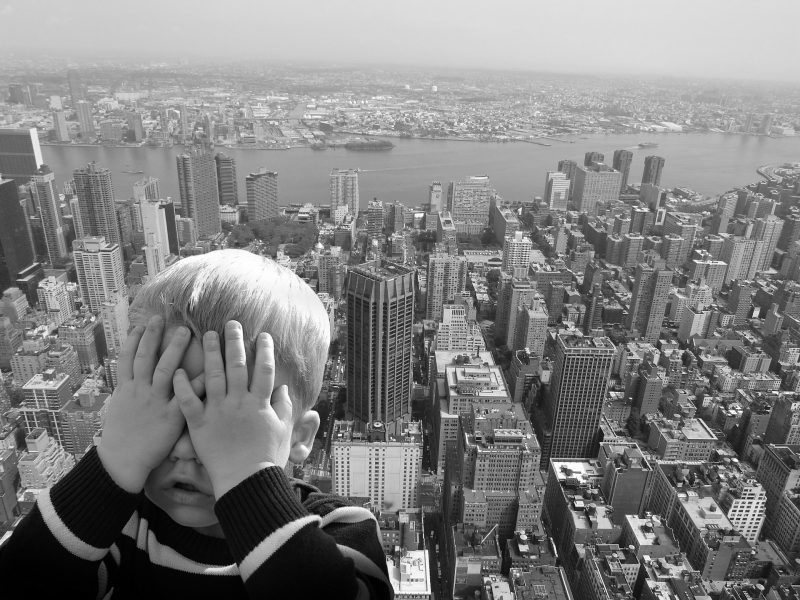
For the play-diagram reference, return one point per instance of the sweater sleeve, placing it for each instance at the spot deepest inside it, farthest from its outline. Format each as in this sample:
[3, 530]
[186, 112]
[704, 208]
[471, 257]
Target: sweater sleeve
[70, 529]
[282, 547]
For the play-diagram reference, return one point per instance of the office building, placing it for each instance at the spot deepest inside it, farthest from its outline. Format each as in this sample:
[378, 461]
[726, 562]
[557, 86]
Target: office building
[531, 328]
[95, 191]
[262, 195]
[740, 301]
[435, 198]
[226, 179]
[20, 154]
[197, 182]
[516, 252]
[84, 332]
[447, 276]
[685, 227]
[114, 314]
[468, 202]
[712, 271]
[84, 110]
[158, 226]
[60, 127]
[100, 270]
[556, 191]
[55, 300]
[649, 301]
[626, 479]
[43, 187]
[609, 573]
[344, 190]
[457, 332]
[653, 166]
[44, 462]
[380, 318]
[378, 465]
[146, 188]
[15, 235]
[503, 221]
[591, 158]
[513, 293]
[579, 384]
[768, 229]
[595, 184]
[45, 395]
[622, 163]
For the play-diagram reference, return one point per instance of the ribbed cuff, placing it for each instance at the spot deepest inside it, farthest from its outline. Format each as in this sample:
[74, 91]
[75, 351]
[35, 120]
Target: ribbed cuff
[90, 504]
[256, 508]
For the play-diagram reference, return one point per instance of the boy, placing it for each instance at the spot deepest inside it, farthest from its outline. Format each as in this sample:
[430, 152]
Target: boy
[185, 495]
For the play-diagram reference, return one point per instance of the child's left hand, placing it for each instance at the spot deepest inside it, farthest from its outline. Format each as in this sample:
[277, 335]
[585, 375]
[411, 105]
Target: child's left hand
[239, 429]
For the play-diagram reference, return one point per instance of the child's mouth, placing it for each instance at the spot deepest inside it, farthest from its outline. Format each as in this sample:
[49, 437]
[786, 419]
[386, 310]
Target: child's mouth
[188, 487]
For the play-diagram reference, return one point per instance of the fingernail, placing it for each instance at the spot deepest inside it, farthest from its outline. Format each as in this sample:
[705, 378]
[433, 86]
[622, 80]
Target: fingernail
[182, 331]
[210, 336]
[232, 325]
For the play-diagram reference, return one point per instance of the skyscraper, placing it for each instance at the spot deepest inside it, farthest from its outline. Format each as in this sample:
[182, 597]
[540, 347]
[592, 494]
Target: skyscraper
[85, 119]
[580, 381]
[262, 195]
[468, 201]
[595, 184]
[742, 255]
[380, 317]
[15, 236]
[344, 190]
[95, 192]
[653, 165]
[447, 276]
[44, 190]
[767, 229]
[556, 190]
[60, 126]
[622, 163]
[516, 252]
[114, 313]
[593, 157]
[649, 301]
[197, 182]
[158, 226]
[226, 179]
[435, 197]
[100, 270]
[146, 189]
[513, 294]
[20, 154]
[76, 92]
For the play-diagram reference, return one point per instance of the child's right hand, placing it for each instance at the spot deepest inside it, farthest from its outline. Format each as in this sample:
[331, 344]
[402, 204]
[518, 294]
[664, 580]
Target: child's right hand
[144, 420]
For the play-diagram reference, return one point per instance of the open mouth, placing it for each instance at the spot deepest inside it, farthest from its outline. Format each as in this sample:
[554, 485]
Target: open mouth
[187, 487]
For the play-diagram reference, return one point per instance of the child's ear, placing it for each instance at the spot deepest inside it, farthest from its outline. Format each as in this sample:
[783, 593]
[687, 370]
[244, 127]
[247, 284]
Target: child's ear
[305, 428]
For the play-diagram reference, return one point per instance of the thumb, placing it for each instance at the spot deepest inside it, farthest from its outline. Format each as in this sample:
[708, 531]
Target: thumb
[191, 406]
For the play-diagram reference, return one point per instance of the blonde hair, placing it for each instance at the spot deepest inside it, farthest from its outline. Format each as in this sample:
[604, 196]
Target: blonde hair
[204, 292]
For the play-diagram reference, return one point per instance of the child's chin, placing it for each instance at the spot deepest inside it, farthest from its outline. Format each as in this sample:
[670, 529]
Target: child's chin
[192, 516]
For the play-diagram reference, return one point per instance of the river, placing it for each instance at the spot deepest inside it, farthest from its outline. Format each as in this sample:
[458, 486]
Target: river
[708, 163]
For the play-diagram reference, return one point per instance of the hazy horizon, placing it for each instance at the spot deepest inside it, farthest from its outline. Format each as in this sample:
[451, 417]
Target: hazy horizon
[715, 39]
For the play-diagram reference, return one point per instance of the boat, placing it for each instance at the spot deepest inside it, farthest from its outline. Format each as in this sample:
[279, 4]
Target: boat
[369, 145]
[134, 172]
[648, 145]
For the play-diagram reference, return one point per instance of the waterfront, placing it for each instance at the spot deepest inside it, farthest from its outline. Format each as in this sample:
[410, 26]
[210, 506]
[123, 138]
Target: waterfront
[708, 163]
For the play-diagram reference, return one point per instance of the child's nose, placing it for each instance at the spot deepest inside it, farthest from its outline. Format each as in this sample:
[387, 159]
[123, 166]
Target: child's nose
[183, 448]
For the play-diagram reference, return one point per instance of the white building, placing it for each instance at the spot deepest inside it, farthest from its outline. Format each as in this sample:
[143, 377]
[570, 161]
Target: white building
[386, 470]
[456, 332]
[101, 272]
[516, 252]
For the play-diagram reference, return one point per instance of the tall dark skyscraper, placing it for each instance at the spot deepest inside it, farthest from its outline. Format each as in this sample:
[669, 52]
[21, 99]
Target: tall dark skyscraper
[580, 382]
[15, 235]
[20, 154]
[44, 190]
[593, 157]
[197, 181]
[380, 317]
[653, 165]
[226, 179]
[622, 163]
[98, 216]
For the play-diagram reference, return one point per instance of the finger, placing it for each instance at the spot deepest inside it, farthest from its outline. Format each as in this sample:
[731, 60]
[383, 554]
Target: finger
[191, 406]
[235, 358]
[126, 354]
[214, 369]
[147, 353]
[199, 385]
[282, 404]
[170, 360]
[264, 367]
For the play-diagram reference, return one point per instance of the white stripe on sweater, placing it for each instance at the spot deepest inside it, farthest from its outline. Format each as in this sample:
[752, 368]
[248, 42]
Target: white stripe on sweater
[348, 514]
[261, 553]
[63, 534]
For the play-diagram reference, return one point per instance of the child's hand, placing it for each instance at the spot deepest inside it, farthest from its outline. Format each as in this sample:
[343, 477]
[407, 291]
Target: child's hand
[143, 420]
[239, 429]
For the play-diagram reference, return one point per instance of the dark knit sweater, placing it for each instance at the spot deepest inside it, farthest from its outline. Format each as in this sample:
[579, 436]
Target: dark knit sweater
[88, 538]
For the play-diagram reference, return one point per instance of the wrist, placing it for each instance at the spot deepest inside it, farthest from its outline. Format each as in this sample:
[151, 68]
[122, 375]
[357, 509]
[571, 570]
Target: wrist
[227, 479]
[126, 474]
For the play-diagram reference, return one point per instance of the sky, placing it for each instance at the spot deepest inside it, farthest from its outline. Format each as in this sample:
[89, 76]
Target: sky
[740, 39]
